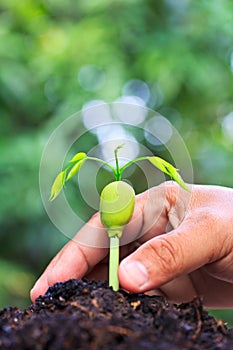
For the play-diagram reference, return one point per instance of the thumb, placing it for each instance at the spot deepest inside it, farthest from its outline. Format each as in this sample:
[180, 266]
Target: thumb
[165, 257]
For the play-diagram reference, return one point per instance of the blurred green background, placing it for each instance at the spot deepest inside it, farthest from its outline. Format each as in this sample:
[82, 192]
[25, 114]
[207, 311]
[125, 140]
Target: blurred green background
[56, 56]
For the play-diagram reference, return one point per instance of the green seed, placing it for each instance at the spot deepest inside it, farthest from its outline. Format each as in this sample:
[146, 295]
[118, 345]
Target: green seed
[116, 205]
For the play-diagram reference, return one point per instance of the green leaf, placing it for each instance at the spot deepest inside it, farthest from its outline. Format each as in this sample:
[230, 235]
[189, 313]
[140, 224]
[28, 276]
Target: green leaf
[78, 156]
[75, 168]
[57, 185]
[168, 169]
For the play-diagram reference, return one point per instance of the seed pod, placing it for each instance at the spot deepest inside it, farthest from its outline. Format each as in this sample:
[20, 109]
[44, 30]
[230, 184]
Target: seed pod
[116, 206]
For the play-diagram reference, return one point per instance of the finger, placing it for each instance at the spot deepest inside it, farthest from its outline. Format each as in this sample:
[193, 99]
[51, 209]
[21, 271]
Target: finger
[75, 259]
[168, 256]
[164, 209]
[215, 293]
[180, 289]
[41, 285]
[99, 272]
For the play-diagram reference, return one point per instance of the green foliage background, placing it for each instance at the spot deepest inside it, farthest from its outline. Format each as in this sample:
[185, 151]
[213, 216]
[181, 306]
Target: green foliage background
[183, 51]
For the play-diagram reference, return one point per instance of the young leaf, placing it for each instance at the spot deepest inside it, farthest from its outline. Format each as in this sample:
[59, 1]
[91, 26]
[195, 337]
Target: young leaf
[168, 169]
[118, 147]
[57, 185]
[78, 156]
[75, 168]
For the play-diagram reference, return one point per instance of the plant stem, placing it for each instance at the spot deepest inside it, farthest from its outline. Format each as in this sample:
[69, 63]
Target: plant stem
[131, 162]
[114, 263]
[102, 162]
[118, 173]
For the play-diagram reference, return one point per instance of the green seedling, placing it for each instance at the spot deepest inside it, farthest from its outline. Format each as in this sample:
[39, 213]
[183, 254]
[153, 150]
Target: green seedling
[116, 209]
[117, 199]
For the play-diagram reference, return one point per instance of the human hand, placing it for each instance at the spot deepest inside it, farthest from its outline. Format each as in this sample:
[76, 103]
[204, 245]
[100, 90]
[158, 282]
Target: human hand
[195, 258]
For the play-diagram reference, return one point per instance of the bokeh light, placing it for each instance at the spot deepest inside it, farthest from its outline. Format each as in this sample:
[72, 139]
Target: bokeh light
[158, 130]
[116, 137]
[128, 109]
[94, 117]
[136, 87]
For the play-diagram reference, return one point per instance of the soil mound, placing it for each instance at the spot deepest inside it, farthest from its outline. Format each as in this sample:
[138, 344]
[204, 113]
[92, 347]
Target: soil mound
[89, 315]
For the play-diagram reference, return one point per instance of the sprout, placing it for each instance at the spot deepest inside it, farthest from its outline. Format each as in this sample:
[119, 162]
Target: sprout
[116, 209]
[116, 201]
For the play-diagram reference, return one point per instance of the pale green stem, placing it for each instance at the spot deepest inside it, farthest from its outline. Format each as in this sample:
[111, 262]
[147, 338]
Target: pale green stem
[103, 162]
[117, 165]
[114, 263]
[131, 162]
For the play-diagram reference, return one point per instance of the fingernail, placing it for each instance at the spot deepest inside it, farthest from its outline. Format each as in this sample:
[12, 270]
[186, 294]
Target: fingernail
[136, 273]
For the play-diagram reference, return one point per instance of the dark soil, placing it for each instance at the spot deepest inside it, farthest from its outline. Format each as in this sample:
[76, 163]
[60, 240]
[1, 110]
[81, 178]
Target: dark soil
[86, 315]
